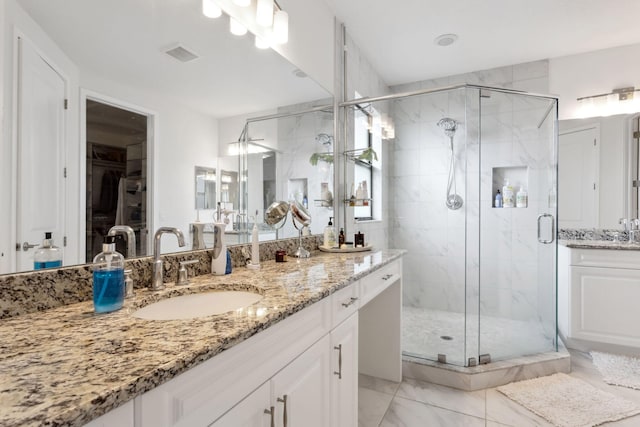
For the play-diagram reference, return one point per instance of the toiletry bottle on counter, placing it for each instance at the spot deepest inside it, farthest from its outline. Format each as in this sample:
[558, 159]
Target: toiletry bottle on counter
[220, 260]
[47, 255]
[341, 238]
[108, 278]
[358, 240]
[498, 200]
[329, 235]
[508, 201]
[255, 247]
[522, 198]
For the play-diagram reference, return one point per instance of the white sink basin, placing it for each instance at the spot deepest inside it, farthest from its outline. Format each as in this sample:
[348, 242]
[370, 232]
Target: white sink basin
[197, 305]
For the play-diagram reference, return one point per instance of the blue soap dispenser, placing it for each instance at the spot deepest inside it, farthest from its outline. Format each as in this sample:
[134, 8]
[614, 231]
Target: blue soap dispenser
[108, 278]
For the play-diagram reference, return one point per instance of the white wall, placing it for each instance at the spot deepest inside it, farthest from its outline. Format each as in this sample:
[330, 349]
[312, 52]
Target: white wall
[592, 73]
[5, 154]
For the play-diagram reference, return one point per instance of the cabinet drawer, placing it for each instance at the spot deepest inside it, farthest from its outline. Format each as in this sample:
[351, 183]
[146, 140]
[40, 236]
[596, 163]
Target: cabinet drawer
[378, 281]
[344, 303]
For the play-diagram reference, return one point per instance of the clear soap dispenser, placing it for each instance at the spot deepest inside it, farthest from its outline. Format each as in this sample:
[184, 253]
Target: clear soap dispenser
[329, 235]
[47, 255]
[108, 278]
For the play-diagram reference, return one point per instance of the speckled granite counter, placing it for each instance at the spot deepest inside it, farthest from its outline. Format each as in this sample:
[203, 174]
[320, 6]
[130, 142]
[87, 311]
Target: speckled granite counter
[600, 244]
[67, 366]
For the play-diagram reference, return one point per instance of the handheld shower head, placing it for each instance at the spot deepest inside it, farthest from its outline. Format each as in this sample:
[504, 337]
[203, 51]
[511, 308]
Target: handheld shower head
[448, 125]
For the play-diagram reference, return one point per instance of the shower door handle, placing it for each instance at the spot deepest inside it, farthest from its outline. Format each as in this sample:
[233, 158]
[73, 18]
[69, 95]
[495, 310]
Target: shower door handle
[553, 228]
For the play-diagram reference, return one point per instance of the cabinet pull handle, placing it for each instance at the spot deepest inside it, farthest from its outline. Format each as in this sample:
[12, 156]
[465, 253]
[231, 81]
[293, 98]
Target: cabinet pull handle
[351, 301]
[339, 373]
[387, 276]
[271, 412]
[284, 414]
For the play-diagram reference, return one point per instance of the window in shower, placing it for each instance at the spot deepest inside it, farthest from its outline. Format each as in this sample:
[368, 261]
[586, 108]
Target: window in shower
[362, 186]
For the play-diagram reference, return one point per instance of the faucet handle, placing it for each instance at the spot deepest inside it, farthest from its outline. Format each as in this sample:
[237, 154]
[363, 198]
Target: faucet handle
[625, 223]
[183, 275]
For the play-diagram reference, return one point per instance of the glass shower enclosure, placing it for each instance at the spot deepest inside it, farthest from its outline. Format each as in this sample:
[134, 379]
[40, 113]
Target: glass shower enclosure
[479, 279]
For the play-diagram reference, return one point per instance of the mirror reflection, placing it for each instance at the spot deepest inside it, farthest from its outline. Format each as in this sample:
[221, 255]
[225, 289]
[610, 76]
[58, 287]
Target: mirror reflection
[598, 165]
[205, 188]
[166, 116]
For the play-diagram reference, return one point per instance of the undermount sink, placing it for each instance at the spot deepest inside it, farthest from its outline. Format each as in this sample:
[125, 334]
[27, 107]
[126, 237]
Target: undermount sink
[197, 305]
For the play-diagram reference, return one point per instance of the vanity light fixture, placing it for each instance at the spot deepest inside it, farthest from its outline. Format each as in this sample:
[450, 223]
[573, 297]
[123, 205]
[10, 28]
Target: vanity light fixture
[264, 18]
[236, 27]
[264, 13]
[210, 9]
[618, 101]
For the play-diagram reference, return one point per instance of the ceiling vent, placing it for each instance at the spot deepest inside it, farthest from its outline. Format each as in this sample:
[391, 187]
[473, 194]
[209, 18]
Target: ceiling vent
[181, 53]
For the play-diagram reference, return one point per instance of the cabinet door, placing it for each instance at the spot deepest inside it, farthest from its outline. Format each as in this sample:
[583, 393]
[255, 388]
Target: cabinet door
[250, 412]
[344, 373]
[301, 391]
[122, 416]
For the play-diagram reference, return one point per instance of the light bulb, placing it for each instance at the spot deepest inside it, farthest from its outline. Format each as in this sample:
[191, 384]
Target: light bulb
[210, 9]
[261, 44]
[281, 27]
[242, 3]
[236, 27]
[264, 13]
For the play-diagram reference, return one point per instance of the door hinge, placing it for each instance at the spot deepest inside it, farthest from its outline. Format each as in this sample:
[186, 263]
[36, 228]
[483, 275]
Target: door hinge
[636, 135]
[635, 183]
[594, 142]
[64, 241]
[66, 104]
[594, 185]
[64, 172]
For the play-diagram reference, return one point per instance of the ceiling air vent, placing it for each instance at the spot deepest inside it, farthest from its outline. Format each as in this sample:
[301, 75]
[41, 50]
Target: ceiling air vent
[181, 53]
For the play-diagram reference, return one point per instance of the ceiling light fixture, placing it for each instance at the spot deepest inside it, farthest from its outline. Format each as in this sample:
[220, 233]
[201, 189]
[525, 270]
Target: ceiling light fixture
[445, 39]
[264, 18]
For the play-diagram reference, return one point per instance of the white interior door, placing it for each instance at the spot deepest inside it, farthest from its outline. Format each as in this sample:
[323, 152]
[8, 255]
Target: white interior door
[40, 181]
[578, 178]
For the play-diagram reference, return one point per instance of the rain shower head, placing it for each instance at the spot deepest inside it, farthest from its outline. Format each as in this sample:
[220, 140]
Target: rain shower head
[324, 139]
[449, 126]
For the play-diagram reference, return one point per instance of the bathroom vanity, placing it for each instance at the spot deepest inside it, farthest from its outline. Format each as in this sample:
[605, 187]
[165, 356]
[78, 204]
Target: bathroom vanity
[294, 355]
[598, 291]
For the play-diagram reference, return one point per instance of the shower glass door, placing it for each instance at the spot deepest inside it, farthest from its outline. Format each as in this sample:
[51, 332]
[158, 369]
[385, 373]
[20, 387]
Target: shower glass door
[517, 294]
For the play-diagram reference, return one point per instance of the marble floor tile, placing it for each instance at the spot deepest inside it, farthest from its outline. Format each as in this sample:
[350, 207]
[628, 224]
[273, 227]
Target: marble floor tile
[408, 413]
[466, 402]
[377, 384]
[372, 406]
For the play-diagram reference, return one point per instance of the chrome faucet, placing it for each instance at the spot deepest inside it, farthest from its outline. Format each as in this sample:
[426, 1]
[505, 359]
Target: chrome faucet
[131, 238]
[157, 282]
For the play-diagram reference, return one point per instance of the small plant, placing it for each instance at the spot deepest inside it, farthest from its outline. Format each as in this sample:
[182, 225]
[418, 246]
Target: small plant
[368, 155]
[325, 157]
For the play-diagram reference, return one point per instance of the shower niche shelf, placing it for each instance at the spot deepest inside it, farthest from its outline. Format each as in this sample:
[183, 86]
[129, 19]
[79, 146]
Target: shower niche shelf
[517, 176]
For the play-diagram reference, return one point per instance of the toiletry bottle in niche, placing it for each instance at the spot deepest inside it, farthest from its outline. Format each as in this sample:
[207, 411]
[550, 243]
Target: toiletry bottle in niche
[498, 200]
[341, 238]
[352, 199]
[305, 201]
[329, 235]
[108, 278]
[522, 198]
[365, 194]
[359, 196]
[47, 255]
[508, 200]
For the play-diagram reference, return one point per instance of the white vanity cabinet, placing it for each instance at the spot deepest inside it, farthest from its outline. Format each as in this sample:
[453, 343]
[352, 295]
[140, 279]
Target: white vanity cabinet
[303, 369]
[122, 416]
[598, 294]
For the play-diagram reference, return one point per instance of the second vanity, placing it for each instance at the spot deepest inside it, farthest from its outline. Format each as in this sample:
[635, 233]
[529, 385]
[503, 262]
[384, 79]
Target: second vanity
[598, 294]
[292, 358]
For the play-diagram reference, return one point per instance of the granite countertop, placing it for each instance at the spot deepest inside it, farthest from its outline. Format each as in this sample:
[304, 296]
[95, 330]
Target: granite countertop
[600, 244]
[67, 366]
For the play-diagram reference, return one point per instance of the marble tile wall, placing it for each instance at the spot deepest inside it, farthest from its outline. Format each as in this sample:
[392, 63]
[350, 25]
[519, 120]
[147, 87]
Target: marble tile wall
[502, 267]
[23, 293]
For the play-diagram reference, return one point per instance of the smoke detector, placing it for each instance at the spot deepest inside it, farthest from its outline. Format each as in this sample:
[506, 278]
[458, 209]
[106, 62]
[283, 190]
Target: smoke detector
[445, 39]
[181, 53]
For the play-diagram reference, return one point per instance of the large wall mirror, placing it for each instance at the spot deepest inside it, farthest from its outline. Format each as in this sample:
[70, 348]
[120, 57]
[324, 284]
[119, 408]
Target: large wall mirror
[598, 165]
[154, 91]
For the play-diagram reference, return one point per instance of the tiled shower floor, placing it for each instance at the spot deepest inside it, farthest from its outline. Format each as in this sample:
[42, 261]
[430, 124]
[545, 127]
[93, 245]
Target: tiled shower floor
[427, 333]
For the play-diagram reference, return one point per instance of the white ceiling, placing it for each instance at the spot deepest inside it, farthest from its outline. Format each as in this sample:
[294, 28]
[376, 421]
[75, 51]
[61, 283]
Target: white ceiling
[123, 41]
[397, 36]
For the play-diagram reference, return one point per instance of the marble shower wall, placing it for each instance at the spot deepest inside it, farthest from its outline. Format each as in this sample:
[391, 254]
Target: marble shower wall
[435, 267]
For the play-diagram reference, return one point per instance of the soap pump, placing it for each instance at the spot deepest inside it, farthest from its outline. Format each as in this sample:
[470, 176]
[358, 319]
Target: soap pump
[329, 235]
[254, 264]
